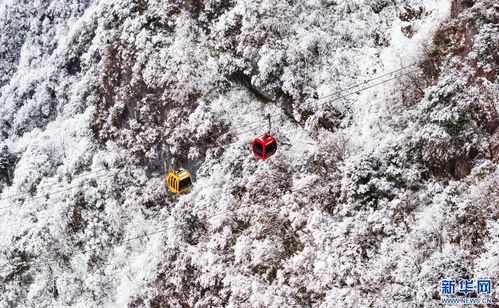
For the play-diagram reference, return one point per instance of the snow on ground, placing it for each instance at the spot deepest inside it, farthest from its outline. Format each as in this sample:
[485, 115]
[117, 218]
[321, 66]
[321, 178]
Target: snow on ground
[96, 96]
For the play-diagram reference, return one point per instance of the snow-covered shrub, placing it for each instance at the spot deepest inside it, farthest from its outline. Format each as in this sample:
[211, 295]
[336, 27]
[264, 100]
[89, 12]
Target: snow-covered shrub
[15, 25]
[7, 166]
[457, 111]
[472, 207]
[375, 180]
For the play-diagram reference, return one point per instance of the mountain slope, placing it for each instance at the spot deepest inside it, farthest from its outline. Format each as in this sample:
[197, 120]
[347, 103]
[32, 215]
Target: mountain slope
[377, 191]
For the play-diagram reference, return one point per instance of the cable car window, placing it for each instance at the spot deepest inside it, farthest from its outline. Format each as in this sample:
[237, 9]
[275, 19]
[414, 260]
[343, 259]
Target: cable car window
[185, 183]
[270, 148]
[258, 148]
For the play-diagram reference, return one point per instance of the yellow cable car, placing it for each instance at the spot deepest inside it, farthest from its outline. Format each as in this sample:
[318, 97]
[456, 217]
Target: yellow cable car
[179, 181]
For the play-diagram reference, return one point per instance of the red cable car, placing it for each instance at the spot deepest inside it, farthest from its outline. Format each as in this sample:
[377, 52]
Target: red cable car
[265, 145]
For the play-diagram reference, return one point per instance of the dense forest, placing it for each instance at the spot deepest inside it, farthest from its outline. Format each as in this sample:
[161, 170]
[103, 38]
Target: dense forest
[385, 181]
